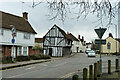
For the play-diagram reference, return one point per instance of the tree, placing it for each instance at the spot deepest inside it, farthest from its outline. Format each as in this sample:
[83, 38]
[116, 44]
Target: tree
[101, 8]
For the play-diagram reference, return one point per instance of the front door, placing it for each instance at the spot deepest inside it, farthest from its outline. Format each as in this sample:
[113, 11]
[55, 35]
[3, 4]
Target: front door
[50, 51]
[13, 52]
[77, 49]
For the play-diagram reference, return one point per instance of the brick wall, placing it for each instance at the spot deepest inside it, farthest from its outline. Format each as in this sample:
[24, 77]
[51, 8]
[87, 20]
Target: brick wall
[6, 50]
[32, 51]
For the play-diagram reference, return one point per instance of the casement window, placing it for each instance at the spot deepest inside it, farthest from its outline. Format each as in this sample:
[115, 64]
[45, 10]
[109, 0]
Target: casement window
[1, 32]
[19, 51]
[25, 51]
[26, 36]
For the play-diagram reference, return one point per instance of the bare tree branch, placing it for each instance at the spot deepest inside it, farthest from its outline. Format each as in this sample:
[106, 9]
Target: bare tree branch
[103, 9]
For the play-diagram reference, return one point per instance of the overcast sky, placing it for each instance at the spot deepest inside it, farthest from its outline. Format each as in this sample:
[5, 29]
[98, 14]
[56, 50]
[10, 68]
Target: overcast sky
[40, 22]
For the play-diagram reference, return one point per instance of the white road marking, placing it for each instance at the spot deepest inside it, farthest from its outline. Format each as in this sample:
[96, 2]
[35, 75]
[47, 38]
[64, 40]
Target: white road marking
[26, 73]
[29, 68]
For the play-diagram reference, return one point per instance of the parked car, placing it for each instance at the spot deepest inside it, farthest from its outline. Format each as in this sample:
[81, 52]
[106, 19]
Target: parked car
[87, 50]
[91, 53]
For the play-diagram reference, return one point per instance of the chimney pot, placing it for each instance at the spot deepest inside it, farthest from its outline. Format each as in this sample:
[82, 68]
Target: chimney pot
[25, 15]
[78, 36]
[83, 38]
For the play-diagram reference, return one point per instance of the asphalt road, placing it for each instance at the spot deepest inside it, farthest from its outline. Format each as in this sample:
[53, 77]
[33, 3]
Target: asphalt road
[61, 68]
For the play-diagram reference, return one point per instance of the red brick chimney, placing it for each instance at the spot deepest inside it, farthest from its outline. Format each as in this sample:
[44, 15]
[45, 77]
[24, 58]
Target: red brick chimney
[25, 15]
[78, 36]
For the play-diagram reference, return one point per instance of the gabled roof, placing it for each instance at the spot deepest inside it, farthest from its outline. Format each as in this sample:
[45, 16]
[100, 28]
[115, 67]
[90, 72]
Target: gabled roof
[62, 31]
[118, 39]
[72, 37]
[19, 22]
[39, 40]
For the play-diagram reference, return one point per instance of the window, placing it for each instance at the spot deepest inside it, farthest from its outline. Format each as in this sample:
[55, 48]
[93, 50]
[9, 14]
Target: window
[26, 36]
[19, 50]
[25, 51]
[1, 32]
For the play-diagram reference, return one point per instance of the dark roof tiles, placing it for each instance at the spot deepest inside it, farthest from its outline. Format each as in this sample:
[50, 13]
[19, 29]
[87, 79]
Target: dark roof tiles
[19, 22]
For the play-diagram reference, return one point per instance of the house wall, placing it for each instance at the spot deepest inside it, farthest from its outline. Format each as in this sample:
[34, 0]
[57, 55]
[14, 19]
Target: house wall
[19, 39]
[6, 50]
[75, 45]
[113, 46]
[39, 44]
[82, 47]
[33, 52]
[55, 40]
[66, 51]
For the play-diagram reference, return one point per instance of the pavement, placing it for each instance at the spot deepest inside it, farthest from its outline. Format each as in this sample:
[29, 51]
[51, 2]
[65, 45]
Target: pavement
[25, 63]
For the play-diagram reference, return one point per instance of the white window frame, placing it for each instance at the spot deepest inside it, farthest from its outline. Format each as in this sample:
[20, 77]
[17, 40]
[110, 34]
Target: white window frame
[26, 35]
[19, 51]
[25, 51]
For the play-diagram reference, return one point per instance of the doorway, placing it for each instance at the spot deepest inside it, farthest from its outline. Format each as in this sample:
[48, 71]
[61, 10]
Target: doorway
[77, 49]
[50, 51]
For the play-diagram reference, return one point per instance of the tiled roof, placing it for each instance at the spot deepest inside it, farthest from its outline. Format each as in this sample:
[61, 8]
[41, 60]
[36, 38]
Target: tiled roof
[63, 32]
[39, 40]
[72, 37]
[19, 22]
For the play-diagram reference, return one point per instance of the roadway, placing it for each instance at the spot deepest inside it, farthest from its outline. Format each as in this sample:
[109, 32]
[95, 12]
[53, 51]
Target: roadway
[61, 68]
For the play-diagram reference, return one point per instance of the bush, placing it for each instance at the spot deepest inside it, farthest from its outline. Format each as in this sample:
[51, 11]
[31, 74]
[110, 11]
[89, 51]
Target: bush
[39, 56]
[6, 59]
[22, 58]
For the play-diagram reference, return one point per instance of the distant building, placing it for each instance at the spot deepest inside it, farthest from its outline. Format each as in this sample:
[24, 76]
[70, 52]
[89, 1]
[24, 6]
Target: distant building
[75, 43]
[39, 42]
[82, 43]
[24, 38]
[56, 42]
[114, 42]
[89, 45]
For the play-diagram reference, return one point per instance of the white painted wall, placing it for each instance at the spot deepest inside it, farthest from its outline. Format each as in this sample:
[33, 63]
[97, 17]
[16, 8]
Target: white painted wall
[19, 39]
[75, 44]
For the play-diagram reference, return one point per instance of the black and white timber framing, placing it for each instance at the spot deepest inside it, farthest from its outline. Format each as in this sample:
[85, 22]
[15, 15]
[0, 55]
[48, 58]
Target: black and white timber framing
[56, 42]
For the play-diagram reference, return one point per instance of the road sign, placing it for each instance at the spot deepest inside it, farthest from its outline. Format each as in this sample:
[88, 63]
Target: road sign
[97, 41]
[100, 32]
[108, 45]
[13, 41]
[13, 30]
